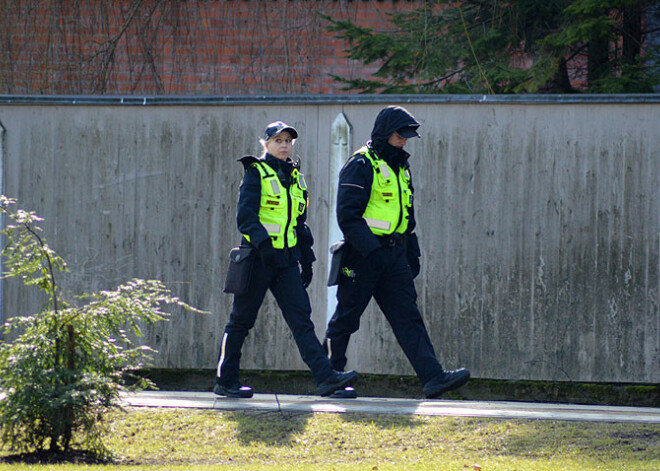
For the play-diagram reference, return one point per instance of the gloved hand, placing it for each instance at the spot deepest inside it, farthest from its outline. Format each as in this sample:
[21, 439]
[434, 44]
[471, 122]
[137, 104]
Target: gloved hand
[306, 274]
[376, 261]
[268, 253]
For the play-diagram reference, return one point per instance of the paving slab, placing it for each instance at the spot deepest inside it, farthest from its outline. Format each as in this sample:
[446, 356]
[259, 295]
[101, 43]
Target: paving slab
[374, 405]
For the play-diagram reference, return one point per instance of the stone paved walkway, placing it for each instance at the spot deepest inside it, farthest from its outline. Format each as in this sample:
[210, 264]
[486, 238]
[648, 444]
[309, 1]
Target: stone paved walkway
[373, 405]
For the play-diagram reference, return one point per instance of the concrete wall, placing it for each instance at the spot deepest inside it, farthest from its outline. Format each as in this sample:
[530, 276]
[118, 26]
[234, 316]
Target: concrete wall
[539, 220]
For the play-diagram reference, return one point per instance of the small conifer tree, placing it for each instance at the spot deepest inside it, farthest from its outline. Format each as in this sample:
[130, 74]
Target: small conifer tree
[63, 368]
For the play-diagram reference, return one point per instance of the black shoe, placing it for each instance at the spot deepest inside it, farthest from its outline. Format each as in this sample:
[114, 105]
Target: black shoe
[235, 390]
[336, 381]
[346, 393]
[447, 381]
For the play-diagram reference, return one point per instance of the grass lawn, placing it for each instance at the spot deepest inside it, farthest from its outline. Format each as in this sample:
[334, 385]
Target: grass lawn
[189, 439]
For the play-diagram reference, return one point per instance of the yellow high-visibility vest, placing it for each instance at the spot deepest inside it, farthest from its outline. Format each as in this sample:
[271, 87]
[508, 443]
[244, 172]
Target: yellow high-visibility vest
[391, 197]
[280, 207]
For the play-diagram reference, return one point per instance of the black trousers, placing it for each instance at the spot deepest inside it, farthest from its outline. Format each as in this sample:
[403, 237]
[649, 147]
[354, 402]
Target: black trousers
[286, 285]
[393, 289]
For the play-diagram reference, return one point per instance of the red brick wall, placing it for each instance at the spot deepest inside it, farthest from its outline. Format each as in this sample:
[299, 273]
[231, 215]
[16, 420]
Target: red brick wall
[210, 47]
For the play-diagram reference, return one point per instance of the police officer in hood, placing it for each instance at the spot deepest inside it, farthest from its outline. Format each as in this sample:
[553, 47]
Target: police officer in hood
[380, 256]
[275, 242]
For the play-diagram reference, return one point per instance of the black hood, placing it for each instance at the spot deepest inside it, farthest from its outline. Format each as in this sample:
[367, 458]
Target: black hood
[389, 120]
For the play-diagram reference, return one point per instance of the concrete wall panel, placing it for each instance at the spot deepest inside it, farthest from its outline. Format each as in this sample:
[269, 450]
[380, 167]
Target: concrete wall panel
[539, 223]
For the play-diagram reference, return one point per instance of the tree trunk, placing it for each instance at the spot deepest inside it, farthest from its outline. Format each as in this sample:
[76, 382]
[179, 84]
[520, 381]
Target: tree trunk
[560, 83]
[598, 59]
[632, 32]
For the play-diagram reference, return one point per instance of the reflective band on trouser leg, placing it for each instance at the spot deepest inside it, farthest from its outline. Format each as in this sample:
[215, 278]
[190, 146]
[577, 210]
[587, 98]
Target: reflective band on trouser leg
[222, 353]
[378, 224]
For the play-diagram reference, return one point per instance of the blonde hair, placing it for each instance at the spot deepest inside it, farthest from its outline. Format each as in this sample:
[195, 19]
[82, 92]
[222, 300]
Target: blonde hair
[263, 142]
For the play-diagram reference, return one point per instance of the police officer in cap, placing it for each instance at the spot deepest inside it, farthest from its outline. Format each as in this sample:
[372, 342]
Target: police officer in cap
[380, 257]
[272, 208]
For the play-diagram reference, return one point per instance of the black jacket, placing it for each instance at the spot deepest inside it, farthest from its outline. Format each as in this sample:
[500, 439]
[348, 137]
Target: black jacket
[356, 177]
[249, 202]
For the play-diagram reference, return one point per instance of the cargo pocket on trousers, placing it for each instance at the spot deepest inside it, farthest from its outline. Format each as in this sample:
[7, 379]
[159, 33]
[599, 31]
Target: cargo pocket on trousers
[241, 261]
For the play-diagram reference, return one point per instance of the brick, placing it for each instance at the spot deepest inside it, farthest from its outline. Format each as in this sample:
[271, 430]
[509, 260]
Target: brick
[212, 47]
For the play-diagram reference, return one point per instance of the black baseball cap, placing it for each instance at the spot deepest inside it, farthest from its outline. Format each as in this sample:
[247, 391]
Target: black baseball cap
[408, 131]
[273, 129]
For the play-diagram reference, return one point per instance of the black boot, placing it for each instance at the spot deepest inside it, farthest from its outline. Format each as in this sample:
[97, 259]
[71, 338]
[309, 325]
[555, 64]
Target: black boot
[236, 390]
[447, 381]
[336, 381]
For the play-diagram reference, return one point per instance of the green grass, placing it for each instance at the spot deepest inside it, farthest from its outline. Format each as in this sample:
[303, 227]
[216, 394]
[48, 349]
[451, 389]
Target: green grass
[178, 439]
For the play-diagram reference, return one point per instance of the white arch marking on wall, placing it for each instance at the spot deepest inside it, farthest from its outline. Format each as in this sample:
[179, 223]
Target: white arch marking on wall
[340, 150]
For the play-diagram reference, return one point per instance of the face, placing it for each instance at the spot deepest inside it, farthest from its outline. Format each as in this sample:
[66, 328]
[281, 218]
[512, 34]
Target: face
[280, 146]
[397, 141]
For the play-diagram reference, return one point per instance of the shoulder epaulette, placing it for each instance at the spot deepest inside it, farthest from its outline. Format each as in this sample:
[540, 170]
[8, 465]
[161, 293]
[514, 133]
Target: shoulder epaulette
[248, 160]
[358, 156]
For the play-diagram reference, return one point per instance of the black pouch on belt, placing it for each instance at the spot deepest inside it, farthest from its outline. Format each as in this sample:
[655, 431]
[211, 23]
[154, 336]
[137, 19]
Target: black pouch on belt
[337, 251]
[241, 261]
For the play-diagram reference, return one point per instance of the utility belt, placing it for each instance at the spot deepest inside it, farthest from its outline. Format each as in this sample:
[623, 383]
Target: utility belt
[392, 240]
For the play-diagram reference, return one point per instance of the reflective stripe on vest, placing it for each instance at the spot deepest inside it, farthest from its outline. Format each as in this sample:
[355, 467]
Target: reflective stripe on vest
[391, 197]
[279, 209]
